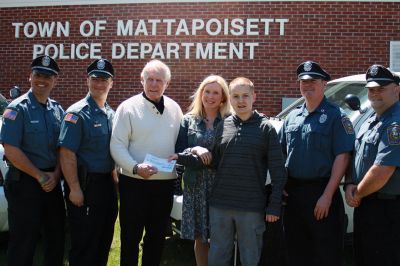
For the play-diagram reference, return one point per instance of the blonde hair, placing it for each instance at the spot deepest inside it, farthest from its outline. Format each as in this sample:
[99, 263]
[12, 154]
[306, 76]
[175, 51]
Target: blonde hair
[241, 81]
[156, 65]
[196, 107]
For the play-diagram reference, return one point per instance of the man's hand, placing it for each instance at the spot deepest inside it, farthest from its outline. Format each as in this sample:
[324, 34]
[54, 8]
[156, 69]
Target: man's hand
[321, 209]
[271, 218]
[349, 196]
[146, 170]
[76, 197]
[51, 181]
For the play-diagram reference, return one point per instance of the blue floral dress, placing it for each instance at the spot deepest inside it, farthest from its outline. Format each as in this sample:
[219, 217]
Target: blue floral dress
[195, 200]
[197, 183]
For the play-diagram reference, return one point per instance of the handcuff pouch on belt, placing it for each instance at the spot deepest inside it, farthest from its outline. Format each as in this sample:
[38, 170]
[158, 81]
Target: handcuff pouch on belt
[83, 177]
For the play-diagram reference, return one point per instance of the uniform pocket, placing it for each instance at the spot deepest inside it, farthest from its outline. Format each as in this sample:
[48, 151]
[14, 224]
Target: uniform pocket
[36, 134]
[319, 138]
[291, 132]
[99, 137]
[371, 146]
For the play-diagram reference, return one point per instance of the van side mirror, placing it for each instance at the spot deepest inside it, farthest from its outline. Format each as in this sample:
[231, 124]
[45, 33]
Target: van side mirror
[353, 102]
[15, 92]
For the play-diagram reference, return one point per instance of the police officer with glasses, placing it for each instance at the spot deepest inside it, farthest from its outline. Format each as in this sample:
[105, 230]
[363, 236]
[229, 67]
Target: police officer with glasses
[375, 187]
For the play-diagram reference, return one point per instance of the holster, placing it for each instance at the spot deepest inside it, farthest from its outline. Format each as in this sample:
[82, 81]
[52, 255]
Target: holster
[11, 172]
[83, 177]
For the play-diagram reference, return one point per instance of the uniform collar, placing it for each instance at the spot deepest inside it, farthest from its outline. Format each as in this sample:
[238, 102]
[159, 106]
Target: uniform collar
[322, 107]
[389, 112]
[36, 104]
[93, 105]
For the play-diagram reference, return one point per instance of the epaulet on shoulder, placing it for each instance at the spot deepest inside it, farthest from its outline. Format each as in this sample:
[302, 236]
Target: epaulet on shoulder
[14, 104]
[54, 101]
[77, 107]
[331, 104]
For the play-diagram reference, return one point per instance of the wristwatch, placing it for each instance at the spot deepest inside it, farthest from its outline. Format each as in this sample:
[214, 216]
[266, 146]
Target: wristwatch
[135, 169]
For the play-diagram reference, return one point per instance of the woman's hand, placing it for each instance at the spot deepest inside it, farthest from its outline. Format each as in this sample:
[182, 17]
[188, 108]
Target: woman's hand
[204, 154]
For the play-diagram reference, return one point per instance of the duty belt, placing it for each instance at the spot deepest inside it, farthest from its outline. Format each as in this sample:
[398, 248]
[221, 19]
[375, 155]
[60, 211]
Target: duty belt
[297, 182]
[382, 196]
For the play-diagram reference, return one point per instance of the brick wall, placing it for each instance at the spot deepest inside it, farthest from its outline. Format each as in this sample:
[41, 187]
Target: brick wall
[344, 37]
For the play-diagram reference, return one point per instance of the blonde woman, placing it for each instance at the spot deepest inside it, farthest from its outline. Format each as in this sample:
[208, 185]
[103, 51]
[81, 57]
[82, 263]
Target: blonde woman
[209, 106]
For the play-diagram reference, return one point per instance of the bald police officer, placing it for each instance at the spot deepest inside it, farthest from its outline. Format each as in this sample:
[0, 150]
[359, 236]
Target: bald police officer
[376, 176]
[317, 139]
[88, 168]
[31, 126]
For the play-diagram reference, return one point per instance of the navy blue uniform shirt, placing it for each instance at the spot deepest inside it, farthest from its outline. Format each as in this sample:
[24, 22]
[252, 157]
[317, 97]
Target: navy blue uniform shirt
[86, 130]
[378, 142]
[311, 141]
[34, 128]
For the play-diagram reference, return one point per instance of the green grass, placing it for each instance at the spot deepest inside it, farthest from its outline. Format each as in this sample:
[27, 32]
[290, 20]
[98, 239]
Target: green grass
[177, 252]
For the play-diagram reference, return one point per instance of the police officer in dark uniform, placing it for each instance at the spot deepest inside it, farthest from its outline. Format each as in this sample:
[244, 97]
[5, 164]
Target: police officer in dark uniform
[317, 139]
[30, 131]
[88, 169]
[375, 191]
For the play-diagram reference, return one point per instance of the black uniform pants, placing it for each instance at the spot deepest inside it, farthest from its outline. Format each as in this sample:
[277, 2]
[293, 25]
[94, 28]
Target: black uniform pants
[311, 242]
[32, 211]
[274, 251]
[92, 225]
[144, 205]
[377, 232]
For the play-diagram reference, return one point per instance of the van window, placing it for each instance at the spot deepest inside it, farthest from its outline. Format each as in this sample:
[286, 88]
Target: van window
[336, 92]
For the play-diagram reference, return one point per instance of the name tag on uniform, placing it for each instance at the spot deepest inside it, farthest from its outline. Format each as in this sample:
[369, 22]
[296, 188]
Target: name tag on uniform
[34, 121]
[97, 125]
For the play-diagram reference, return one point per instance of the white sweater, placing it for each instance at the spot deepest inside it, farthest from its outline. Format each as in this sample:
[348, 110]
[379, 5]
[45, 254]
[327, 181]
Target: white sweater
[139, 128]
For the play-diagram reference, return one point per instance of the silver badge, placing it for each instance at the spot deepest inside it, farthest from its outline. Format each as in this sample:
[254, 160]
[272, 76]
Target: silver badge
[323, 118]
[46, 61]
[101, 64]
[307, 66]
[374, 70]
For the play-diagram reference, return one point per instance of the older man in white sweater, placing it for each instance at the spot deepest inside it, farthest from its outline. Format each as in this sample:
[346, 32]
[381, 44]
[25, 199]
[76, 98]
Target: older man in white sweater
[147, 123]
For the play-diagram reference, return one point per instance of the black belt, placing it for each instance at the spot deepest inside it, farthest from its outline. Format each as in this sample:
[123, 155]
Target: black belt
[296, 182]
[51, 169]
[94, 175]
[383, 196]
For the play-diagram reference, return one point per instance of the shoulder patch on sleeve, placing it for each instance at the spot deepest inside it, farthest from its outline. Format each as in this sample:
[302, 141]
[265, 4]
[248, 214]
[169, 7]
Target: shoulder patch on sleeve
[348, 126]
[393, 133]
[10, 114]
[71, 118]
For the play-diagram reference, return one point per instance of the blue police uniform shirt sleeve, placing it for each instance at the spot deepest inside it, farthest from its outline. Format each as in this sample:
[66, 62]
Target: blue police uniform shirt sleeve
[70, 133]
[343, 135]
[12, 129]
[388, 153]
